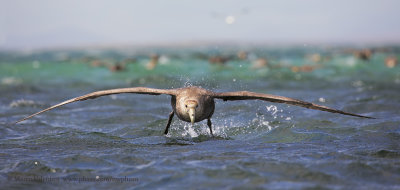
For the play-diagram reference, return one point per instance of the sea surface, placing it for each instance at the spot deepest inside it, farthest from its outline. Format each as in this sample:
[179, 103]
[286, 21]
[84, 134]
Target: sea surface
[117, 141]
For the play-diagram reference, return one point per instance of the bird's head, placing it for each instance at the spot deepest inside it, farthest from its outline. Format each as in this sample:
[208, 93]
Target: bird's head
[190, 107]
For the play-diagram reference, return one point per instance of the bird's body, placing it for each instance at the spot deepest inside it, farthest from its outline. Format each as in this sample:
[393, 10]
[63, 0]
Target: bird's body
[195, 104]
[193, 94]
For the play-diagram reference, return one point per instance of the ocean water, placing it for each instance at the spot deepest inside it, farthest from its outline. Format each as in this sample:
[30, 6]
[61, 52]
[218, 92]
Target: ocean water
[118, 142]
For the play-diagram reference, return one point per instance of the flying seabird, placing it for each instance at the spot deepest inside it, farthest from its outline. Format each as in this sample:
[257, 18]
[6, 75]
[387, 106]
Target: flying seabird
[194, 104]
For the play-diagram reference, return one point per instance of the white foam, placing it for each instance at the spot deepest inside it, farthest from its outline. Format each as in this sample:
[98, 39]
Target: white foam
[22, 103]
[145, 165]
[11, 81]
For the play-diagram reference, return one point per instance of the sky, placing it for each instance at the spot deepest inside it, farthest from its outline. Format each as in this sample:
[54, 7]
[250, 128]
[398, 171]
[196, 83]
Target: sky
[75, 23]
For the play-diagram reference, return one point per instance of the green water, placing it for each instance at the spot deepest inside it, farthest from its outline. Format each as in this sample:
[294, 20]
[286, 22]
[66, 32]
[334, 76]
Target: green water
[257, 145]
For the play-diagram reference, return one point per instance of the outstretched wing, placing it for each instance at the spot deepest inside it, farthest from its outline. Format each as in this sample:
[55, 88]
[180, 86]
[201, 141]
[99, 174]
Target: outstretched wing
[245, 95]
[135, 90]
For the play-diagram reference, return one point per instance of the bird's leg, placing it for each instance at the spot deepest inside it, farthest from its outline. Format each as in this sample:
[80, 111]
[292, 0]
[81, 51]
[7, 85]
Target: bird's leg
[209, 126]
[171, 115]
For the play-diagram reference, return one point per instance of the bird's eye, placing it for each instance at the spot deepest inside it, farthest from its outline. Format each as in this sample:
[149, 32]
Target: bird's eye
[186, 106]
[197, 106]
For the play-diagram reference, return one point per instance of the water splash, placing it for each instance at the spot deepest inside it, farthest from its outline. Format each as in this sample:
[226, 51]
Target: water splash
[261, 123]
[188, 82]
[189, 131]
[273, 109]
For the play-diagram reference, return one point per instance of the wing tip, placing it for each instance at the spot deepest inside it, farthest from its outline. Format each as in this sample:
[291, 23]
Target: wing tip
[23, 119]
[368, 117]
[17, 122]
[360, 116]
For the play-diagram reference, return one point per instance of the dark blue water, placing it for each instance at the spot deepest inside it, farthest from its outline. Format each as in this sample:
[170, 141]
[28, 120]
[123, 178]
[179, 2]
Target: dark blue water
[117, 141]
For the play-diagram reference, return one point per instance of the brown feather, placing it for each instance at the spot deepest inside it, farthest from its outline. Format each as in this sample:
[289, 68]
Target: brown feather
[245, 95]
[136, 90]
